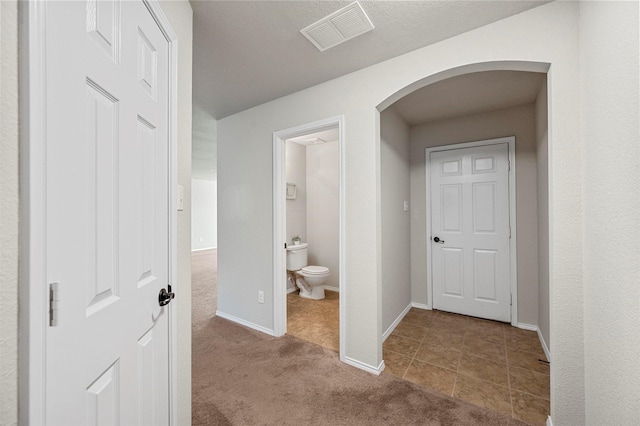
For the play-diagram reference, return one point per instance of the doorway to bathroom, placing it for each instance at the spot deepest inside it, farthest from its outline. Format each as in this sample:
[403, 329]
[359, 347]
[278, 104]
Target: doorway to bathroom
[308, 221]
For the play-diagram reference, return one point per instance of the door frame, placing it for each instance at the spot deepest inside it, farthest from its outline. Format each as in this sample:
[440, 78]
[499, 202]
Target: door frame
[33, 297]
[280, 224]
[513, 261]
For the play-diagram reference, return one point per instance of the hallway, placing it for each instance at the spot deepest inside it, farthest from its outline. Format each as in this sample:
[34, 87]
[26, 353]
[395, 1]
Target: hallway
[488, 364]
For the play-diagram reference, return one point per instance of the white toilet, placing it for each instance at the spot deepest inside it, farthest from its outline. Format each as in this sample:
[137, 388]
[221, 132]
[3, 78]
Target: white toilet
[310, 279]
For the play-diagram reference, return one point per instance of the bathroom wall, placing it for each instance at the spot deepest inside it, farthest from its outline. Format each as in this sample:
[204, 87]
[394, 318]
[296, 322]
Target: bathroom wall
[396, 223]
[204, 214]
[323, 208]
[297, 174]
[518, 122]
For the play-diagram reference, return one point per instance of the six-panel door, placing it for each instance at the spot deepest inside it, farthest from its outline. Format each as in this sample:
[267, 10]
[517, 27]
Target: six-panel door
[469, 191]
[107, 217]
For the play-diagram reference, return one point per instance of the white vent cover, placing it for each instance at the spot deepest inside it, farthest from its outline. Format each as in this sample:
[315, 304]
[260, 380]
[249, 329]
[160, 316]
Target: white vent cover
[340, 26]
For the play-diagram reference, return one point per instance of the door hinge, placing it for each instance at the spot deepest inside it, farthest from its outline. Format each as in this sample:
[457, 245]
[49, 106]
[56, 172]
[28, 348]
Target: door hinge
[511, 299]
[509, 165]
[509, 231]
[54, 298]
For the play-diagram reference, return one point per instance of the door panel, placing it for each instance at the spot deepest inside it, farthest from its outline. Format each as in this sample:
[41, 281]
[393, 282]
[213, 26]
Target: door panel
[470, 216]
[100, 159]
[484, 203]
[451, 207]
[103, 398]
[484, 274]
[107, 213]
[453, 271]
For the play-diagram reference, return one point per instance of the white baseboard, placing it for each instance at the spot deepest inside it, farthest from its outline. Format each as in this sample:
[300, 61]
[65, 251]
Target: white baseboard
[291, 290]
[529, 327]
[535, 328]
[420, 306]
[549, 422]
[395, 323]
[545, 348]
[366, 367]
[202, 249]
[245, 323]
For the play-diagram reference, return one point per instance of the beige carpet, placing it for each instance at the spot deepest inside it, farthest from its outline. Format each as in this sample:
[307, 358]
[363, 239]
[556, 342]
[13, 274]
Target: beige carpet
[204, 294]
[243, 377]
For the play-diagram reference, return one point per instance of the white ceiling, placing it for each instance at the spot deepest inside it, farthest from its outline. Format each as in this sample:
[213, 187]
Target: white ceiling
[328, 135]
[250, 52]
[469, 94]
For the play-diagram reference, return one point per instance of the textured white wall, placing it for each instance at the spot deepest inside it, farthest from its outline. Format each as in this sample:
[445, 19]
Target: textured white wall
[204, 143]
[545, 35]
[518, 122]
[542, 161]
[323, 207]
[204, 214]
[396, 223]
[296, 171]
[610, 115]
[9, 212]
[180, 16]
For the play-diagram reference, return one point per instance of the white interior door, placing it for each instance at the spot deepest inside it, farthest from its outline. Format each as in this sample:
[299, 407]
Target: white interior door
[470, 231]
[107, 214]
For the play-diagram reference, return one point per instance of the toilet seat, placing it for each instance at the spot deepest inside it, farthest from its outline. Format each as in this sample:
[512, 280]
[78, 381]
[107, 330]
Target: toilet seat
[315, 270]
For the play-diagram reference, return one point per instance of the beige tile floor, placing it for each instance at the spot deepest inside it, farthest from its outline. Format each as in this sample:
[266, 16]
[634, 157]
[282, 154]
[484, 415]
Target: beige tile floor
[315, 321]
[486, 363]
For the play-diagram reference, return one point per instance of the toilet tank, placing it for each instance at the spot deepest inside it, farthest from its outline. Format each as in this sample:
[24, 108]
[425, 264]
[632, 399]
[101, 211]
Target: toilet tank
[296, 257]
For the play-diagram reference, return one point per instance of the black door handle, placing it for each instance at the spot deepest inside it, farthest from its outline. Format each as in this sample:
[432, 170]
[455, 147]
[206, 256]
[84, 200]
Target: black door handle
[165, 297]
[438, 240]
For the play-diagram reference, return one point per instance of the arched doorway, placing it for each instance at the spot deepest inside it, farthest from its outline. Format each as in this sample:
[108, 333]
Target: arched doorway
[470, 103]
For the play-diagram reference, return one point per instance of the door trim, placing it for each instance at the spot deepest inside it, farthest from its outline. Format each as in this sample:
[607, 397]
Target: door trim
[513, 261]
[33, 134]
[280, 225]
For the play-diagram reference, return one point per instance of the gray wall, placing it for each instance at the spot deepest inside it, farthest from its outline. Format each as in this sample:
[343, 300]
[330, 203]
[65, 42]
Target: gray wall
[610, 102]
[396, 224]
[204, 216]
[205, 141]
[518, 122]
[542, 157]
[323, 208]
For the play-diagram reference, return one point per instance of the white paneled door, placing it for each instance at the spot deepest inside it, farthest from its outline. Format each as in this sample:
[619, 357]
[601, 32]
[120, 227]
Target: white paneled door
[107, 214]
[469, 192]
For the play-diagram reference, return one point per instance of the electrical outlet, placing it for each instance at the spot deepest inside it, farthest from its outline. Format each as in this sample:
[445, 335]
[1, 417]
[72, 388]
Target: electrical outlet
[260, 296]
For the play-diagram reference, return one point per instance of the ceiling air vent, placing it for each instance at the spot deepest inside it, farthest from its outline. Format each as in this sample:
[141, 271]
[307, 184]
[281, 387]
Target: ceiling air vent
[340, 26]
